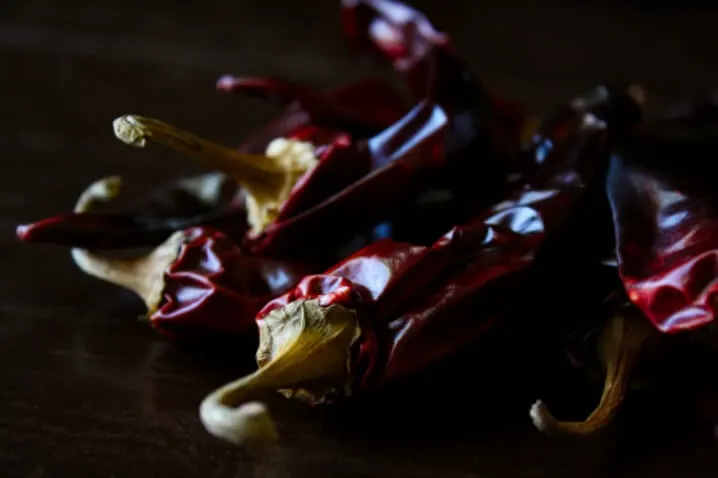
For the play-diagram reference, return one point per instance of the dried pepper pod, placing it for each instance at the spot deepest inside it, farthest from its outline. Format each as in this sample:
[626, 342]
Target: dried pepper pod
[390, 310]
[355, 184]
[620, 108]
[359, 109]
[214, 199]
[665, 222]
[196, 279]
[210, 199]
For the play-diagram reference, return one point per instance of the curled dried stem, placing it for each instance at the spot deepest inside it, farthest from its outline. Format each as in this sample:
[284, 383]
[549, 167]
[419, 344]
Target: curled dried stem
[304, 350]
[143, 275]
[619, 346]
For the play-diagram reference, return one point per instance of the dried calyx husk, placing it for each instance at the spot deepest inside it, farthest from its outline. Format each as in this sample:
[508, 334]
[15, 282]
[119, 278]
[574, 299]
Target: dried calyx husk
[305, 351]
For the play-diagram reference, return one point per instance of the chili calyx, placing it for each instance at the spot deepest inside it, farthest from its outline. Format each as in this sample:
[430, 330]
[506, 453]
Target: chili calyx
[305, 349]
[619, 346]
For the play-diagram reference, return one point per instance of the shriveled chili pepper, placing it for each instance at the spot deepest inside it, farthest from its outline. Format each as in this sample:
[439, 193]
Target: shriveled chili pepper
[210, 199]
[359, 109]
[426, 59]
[317, 118]
[196, 279]
[391, 309]
[305, 189]
[666, 224]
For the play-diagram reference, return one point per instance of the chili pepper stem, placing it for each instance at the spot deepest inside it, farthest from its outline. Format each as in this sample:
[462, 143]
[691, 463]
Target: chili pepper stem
[143, 275]
[305, 348]
[619, 345]
[268, 180]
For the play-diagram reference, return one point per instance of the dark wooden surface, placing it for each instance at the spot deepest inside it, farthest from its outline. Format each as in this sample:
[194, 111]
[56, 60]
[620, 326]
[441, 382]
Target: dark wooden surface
[89, 391]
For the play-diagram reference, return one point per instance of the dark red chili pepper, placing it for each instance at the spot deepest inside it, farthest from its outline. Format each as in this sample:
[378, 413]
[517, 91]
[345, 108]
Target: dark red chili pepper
[389, 310]
[196, 279]
[665, 224]
[426, 59]
[360, 109]
[210, 199]
[392, 309]
[366, 106]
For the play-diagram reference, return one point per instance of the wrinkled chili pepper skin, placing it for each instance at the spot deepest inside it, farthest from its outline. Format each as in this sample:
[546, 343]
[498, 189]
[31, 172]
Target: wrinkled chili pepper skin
[667, 245]
[418, 304]
[213, 285]
[393, 160]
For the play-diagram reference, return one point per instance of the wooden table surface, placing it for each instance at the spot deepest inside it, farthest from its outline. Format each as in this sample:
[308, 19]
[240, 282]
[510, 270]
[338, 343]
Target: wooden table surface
[90, 391]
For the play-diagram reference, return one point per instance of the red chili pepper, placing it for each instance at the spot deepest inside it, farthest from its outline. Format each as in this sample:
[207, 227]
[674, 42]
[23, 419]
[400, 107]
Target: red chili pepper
[196, 279]
[667, 235]
[210, 199]
[363, 107]
[393, 308]
[360, 109]
[390, 310]
[426, 59]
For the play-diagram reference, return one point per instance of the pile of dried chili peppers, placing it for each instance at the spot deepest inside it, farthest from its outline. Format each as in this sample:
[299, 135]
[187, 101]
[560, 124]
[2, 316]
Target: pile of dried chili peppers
[364, 237]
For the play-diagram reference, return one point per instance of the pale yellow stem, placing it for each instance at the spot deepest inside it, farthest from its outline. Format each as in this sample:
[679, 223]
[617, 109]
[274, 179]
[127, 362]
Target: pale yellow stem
[619, 345]
[268, 180]
[305, 349]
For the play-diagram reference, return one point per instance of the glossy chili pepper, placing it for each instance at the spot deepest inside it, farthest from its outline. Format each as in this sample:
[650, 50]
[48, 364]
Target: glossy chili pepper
[216, 200]
[359, 109]
[426, 59]
[196, 279]
[665, 222]
[210, 199]
[393, 308]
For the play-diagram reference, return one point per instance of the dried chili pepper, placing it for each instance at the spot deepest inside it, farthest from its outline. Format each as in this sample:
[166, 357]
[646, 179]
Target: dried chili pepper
[359, 109]
[210, 199]
[196, 279]
[214, 199]
[391, 309]
[665, 223]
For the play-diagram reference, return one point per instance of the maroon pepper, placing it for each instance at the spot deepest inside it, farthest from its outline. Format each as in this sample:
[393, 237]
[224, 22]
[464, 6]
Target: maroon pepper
[196, 279]
[359, 109]
[665, 222]
[363, 107]
[209, 199]
[388, 311]
[393, 308]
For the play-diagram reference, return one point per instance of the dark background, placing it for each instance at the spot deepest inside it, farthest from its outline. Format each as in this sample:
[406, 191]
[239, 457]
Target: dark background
[88, 391]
